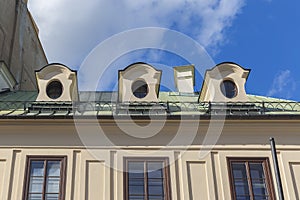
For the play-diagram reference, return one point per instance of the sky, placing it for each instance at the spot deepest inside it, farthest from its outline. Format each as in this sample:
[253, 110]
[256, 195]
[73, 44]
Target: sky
[261, 35]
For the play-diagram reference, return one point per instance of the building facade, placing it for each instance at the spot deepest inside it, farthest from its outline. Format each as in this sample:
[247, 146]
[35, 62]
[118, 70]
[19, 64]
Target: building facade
[58, 143]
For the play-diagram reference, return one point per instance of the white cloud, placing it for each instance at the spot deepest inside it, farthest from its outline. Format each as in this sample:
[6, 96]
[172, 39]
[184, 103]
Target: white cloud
[283, 85]
[69, 29]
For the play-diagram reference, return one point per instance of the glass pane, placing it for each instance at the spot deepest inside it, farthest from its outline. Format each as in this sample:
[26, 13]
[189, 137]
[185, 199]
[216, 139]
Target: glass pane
[243, 198]
[239, 170]
[52, 197]
[136, 197]
[155, 187]
[228, 89]
[155, 182]
[157, 190]
[155, 169]
[155, 198]
[259, 188]
[136, 169]
[36, 185]
[37, 168]
[256, 171]
[261, 198]
[136, 175]
[53, 168]
[241, 187]
[136, 189]
[52, 185]
[138, 181]
[35, 197]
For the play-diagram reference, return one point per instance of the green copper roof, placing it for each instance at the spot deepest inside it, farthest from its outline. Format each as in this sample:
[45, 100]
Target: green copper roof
[23, 104]
[18, 96]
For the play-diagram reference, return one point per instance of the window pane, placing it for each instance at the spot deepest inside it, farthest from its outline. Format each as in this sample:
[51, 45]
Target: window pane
[37, 168]
[155, 198]
[36, 185]
[241, 187]
[135, 175]
[256, 170]
[136, 189]
[155, 187]
[157, 190]
[136, 169]
[35, 197]
[243, 197]
[261, 198]
[136, 197]
[51, 197]
[259, 188]
[155, 182]
[52, 185]
[152, 166]
[53, 168]
[155, 169]
[239, 170]
[138, 181]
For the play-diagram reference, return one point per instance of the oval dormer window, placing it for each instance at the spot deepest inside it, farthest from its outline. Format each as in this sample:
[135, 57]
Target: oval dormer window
[54, 89]
[139, 89]
[229, 89]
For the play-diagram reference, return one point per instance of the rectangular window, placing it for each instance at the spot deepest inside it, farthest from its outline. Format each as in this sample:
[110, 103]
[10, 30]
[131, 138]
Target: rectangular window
[250, 179]
[146, 179]
[45, 177]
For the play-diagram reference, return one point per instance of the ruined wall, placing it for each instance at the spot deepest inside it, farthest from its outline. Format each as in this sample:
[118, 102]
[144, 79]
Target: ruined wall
[20, 47]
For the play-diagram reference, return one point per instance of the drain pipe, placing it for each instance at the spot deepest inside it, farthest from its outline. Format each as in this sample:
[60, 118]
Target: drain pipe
[277, 172]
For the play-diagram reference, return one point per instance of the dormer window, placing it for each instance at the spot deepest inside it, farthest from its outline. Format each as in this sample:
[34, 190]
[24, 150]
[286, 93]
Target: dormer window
[56, 82]
[139, 89]
[225, 83]
[54, 89]
[228, 89]
[139, 82]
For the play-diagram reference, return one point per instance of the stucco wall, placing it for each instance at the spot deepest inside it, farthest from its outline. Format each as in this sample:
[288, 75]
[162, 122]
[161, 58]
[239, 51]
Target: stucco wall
[191, 176]
[20, 47]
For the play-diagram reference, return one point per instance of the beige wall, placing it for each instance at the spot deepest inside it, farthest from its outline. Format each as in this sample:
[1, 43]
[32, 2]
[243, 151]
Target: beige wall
[192, 177]
[20, 47]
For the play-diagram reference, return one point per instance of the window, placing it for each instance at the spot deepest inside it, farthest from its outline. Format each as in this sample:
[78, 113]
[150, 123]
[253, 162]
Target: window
[229, 89]
[45, 178]
[250, 179]
[139, 89]
[54, 89]
[146, 179]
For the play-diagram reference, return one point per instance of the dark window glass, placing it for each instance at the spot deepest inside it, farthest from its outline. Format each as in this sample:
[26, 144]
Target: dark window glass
[250, 179]
[146, 179]
[54, 89]
[45, 179]
[139, 89]
[229, 89]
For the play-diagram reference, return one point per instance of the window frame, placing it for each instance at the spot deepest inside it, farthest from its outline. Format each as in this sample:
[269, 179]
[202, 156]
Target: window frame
[166, 174]
[63, 171]
[225, 90]
[266, 169]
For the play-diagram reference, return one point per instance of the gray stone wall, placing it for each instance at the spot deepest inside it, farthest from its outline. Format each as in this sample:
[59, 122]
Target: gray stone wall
[20, 47]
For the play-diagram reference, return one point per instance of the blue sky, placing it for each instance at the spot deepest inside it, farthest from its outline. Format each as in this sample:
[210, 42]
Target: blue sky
[265, 38]
[258, 34]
